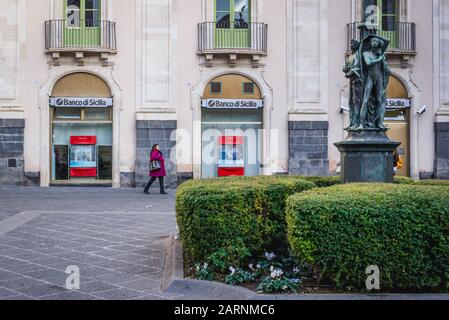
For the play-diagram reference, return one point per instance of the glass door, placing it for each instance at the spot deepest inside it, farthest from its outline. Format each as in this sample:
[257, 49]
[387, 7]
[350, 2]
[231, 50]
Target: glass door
[104, 162]
[232, 18]
[82, 26]
[61, 162]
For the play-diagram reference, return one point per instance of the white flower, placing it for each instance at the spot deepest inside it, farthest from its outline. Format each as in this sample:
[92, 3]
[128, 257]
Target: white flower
[258, 266]
[270, 256]
[205, 266]
[296, 270]
[232, 269]
[251, 267]
[276, 273]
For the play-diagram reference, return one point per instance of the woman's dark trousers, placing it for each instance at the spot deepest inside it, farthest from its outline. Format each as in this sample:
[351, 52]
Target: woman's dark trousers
[150, 183]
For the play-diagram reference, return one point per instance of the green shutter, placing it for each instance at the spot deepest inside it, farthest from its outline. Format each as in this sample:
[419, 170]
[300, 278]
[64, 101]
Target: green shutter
[82, 26]
[232, 24]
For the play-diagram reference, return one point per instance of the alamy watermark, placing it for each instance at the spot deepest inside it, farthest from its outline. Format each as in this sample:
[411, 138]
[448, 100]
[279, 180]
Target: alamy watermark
[73, 280]
[373, 280]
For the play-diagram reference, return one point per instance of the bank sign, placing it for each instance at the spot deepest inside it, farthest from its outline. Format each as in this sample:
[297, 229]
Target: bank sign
[68, 102]
[232, 103]
[399, 103]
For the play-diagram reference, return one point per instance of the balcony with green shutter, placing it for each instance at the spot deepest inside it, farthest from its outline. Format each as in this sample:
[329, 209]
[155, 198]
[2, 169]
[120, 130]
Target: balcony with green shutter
[232, 33]
[402, 36]
[80, 38]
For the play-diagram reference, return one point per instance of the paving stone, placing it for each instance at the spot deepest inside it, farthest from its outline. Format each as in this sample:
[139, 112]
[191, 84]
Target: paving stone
[24, 268]
[18, 297]
[119, 294]
[22, 283]
[73, 295]
[96, 286]
[93, 272]
[135, 270]
[6, 275]
[44, 290]
[142, 285]
[123, 244]
[117, 278]
[4, 293]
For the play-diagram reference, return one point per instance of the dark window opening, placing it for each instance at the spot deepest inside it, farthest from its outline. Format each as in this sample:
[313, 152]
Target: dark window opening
[215, 87]
[248, 88]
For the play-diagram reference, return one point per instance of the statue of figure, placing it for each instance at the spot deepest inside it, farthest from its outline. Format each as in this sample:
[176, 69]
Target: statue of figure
[352, 70]
[375, 74]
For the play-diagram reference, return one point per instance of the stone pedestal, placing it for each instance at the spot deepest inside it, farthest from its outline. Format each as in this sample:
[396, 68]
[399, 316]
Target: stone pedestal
[367, 156]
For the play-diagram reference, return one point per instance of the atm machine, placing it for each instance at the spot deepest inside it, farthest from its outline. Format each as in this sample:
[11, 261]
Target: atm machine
[83, 157]
[231, 160]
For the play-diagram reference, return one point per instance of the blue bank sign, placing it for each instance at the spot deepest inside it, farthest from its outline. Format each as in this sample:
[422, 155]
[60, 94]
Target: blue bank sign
[67, 102]
[232, 103]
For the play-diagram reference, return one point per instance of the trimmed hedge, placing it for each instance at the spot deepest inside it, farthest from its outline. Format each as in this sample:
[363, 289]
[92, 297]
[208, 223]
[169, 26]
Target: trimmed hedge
[323, 182]
[433, 183]
[402, 229]
[241, 217]
[404, 180]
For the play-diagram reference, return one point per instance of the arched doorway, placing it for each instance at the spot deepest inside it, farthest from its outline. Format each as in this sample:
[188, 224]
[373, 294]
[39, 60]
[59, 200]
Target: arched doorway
[397, 118]
[231, 124]
[81, 131]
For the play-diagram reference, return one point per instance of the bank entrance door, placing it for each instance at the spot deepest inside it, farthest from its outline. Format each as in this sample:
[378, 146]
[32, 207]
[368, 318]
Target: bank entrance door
[397, 119]
[231, 143]
[232, 124]
[81, 152]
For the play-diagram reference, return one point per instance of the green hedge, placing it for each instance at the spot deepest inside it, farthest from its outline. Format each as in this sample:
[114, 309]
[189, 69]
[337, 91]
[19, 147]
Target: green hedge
[402, 229]
[239, 216]
[323, 182]
[404, 180]
[433, 183]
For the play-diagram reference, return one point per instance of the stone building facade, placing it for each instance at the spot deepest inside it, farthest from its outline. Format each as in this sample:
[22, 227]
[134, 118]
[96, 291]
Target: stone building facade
[223, 86]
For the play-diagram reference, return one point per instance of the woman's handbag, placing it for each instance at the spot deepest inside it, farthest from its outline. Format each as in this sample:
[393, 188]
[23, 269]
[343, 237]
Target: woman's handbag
[155, 165]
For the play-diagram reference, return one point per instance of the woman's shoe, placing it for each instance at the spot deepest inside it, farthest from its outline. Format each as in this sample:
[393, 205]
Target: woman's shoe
[164, 192]
[146, 192]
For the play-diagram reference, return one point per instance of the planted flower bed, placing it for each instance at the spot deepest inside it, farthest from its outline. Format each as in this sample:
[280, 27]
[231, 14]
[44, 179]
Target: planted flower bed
[234, 230]
[232, 222]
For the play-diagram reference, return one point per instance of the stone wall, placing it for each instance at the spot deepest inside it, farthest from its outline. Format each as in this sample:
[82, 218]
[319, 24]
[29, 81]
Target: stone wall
[150, 132]
[308, 145]
[442, 150]
[11, 151]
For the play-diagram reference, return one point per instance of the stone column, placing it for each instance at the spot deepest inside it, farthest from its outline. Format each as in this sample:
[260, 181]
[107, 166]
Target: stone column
[442, 150]
[308, 144]
[11, 151]
[150, 132]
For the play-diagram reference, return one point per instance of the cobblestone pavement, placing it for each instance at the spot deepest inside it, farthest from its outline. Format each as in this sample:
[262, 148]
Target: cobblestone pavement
[116, 238]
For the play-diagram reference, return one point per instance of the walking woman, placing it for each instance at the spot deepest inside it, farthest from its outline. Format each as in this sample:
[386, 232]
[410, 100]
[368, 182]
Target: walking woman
[157, 170]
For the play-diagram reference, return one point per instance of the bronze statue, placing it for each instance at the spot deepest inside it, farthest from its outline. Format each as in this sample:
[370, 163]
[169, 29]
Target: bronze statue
[375, 75]
[353, 73]
[368, 70]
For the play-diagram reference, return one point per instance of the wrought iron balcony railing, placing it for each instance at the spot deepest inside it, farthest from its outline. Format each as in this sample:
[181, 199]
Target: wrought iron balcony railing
[230, 37]
[80, 35]
[401, 34]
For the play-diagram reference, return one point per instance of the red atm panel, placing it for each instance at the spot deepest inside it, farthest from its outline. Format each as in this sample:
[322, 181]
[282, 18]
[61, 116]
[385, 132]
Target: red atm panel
[231, 172]
[83, 172]
[83, 140]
